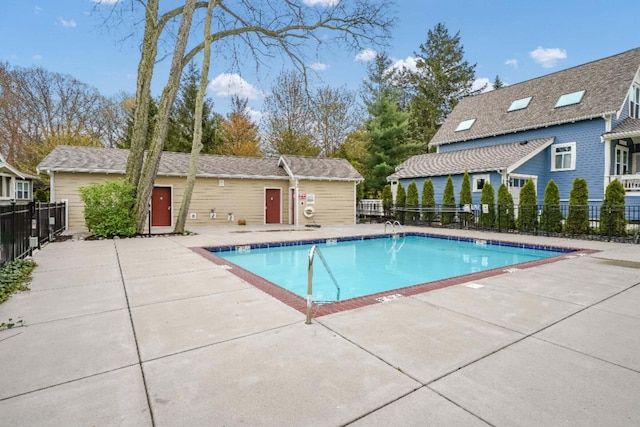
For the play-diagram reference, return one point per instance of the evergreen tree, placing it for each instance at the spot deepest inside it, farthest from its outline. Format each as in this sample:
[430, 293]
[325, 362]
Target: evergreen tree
[238, 134]
[497, 83]
[528, 208]
[505, 220]
[441, 78]
[412, 202]
[448, 203]
[401, 202]
[551, 216]
[488, 219]
[152, 111]
[428, 201]
[578, 217]
[387, 200]
[466, 200]
[612, 220]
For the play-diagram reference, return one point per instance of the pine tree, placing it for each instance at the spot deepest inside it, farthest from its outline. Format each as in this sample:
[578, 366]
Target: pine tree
[466, 200]
[528, 208]
[401, 201]
[612, 220]
[428, 201]
[578, 217]
[497, 83]
[448, 203]
[412, 202]
[551, 216]
[505, 220]
[487, 198]
[387, 200]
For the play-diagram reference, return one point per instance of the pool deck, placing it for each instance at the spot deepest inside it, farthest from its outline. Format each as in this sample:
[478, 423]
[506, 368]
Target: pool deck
[145, 331]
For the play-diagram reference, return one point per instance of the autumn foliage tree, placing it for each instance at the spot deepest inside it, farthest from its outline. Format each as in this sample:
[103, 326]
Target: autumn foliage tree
[238, 134]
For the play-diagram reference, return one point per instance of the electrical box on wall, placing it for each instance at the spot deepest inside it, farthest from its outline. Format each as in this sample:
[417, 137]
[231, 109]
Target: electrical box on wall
[192, 215]
[212, 215]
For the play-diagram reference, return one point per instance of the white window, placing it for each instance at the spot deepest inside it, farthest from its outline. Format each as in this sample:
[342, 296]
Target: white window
[520, 104]
[622, 160]
[479, 181]
[563, 157]
[570, 99]
[465, 125]
[22, 190]
[634, 102]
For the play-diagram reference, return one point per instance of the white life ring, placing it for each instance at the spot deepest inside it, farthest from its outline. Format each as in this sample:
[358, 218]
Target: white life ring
[308, 211]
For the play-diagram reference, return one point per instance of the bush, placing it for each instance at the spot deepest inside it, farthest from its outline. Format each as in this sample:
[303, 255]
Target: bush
[448, 203]
[14, 276]
[505, 220]
[487, 197]
[107, 208]
[465, 199]
[551, 216]
[387, 200]
[578, 217]
[401, 200]
[612, 221]
[528, 208]
[412, 202]
[41, 195]
[428, 200]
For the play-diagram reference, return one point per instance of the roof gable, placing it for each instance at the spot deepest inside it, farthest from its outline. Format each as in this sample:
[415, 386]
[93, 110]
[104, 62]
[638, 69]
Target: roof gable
[605, 82]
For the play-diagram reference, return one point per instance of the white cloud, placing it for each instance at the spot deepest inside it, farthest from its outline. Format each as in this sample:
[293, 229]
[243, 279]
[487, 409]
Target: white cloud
[482, 82]
[513, 62]
[548, 57]
[254, 115]
[37, 57]
[409, 64]
[37, 9]
[67, 24]
[318, 66]
[366, 55]
[227, 84]
[321, 2]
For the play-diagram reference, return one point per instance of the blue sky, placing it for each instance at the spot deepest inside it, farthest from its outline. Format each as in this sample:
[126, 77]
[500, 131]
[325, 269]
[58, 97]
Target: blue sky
[517, 40]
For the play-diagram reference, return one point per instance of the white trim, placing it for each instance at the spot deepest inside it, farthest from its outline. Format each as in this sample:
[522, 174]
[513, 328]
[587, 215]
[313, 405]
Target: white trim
[635, 162]
[52, 187]
[151, 204]
[529, 156]
[625, 165]
[264, 201]
[294, 208]
[477, 177]
[573, 153]
[66, 213]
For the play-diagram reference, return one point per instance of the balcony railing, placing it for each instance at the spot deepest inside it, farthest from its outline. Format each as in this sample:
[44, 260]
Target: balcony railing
[631, 183]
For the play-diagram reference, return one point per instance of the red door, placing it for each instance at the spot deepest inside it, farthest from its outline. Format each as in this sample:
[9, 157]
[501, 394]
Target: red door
[272, 206]
[161, 206]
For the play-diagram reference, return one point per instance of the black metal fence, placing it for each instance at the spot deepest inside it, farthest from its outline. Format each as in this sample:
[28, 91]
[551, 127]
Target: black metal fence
[24, 227]
[616, 223]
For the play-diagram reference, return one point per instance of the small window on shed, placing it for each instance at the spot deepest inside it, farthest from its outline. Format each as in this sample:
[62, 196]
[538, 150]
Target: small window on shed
[465, 125]
[570, 99]
[520, 104]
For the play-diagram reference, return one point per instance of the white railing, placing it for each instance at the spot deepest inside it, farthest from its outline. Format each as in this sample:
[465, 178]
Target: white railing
[631, 183]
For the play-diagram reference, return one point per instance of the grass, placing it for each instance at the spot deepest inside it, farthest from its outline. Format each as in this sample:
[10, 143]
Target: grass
[15, 276]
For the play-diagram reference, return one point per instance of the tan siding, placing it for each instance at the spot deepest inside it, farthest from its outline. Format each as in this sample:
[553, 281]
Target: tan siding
[243, 197]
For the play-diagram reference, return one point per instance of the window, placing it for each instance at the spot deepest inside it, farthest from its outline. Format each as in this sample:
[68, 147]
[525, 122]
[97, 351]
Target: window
[465, 125]
[22, 190]
[520, 104]
[634, 102]
[5, 187]
[622, 160]
[479, 181]
[570, 99]
[563, 156]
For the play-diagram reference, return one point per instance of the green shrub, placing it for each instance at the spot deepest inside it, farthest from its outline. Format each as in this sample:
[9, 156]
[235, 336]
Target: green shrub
[578, 217]
[487, 197]
[448, 203]
[412, 202]
[359, 192]
[551, 216]
[505, 220]
[107, 208]
[612, 221]
[401, 201]
[15, 276]
[528, 208]
[465, 199]
[387, 200]
[428, 200]
[41, 195]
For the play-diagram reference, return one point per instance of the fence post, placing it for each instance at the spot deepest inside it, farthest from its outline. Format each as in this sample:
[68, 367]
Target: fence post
[13, 230]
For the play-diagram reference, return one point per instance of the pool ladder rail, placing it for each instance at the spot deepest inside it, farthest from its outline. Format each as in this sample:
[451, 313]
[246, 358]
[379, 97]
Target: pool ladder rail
[315, 249]
[393, 226]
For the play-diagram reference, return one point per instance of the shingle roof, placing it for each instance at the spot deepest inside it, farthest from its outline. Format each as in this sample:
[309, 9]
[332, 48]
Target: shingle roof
[606, 83]
[321, 168]
[481, 159]
[65, 158]
[629, 127]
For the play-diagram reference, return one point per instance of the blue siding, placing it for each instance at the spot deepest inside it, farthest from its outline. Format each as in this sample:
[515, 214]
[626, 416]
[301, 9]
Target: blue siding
[439, 183]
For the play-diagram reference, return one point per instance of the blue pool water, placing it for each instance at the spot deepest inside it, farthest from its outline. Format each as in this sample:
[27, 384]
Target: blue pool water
[367, 266]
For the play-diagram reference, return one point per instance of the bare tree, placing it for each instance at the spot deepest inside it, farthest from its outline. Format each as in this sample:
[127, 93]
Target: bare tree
[336, 115]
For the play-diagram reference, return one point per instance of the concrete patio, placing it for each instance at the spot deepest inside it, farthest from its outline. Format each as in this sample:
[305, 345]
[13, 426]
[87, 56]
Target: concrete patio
[144, 331]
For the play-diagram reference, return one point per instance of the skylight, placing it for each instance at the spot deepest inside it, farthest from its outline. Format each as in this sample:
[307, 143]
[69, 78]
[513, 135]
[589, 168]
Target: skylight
[570, 99]
[465, 125]
[520, 104]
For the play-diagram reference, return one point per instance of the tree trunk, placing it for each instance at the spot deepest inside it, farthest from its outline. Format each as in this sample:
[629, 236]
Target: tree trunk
[196, 147]
[143, 93]
[147, 178]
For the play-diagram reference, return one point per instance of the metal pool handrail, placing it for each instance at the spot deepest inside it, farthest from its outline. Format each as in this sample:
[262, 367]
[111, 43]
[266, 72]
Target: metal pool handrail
[312, 252]
[393, 226]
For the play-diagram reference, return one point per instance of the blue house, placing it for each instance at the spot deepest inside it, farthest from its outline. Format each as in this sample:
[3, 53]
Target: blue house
[581, 122]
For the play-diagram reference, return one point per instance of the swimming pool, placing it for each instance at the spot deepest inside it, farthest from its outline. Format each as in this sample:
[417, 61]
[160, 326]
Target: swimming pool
[375, 264]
